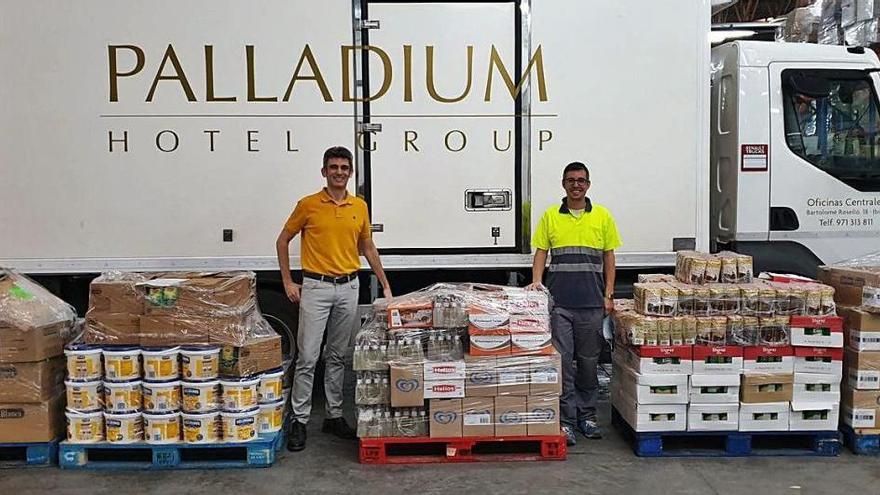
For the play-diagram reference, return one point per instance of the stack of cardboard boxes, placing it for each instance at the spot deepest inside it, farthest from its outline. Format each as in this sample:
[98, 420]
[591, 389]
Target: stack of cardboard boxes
[856, 288]
[34, 325]
[184, 308]
[481, 356]
[720, 356]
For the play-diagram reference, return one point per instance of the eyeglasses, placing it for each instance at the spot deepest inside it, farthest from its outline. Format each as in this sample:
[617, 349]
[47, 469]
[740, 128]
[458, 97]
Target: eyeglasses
[579, 181]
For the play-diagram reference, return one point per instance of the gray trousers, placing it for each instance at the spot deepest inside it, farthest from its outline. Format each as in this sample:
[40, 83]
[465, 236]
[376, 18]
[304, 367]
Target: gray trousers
[577, 335]
[330, 307]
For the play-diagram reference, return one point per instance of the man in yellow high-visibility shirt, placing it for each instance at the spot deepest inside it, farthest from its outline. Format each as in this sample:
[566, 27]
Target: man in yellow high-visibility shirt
[335, 228]
[581, 238]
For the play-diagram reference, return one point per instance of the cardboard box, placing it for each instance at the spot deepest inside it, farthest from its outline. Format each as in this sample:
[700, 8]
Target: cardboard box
[481, 377]
[815, 387]
[112, 328]
[860, 408]
[169, 331]
[714, 389]
[650, 417]
[848, 283]
[542, 415]
[772, 416]
[717, 359]
[527, 303]
[32, 382]
[444, 370]
[651, 389]
[478, 417]
[510, 416]
[655, 359]
[529, 323]
[764, 359]
[116, 296]
[513, 375]
[822, 360]
[545, 375]
[202, 294]
[42, 422]
[763, 388]
[862, 329]
[410, 314]
[863, 369]
[531, 344]
[258, 354]
[713, 417]
[496, 343]
[482, 320]
[37, 344]
[817, 331]
[814, 416]
[446, 418]
[443, 389]
[407, 389]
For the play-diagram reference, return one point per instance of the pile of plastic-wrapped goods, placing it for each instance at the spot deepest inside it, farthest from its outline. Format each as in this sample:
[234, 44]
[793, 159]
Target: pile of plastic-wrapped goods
[34, 326]
[715, 349]
[857, 292]
[833, 22]
[456, 360]
[182, 357]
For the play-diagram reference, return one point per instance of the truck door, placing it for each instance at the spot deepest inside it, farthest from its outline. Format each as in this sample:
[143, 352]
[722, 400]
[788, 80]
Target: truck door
[440, 164]
[825, 159]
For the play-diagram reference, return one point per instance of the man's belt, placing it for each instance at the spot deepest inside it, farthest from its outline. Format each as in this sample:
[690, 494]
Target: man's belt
[344, 279]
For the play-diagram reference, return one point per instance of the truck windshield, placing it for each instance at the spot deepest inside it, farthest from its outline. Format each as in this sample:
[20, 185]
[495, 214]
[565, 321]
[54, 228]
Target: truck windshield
[831, 121]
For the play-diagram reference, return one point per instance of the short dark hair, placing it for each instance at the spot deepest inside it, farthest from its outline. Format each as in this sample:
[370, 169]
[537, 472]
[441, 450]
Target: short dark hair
[575, 167]
[338, 152]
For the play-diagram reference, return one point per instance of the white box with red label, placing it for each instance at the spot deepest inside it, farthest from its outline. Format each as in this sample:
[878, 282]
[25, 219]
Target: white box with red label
[823, 360]
[817, 331]
[718, 359]
[529, 323]
[766, 359]
[444, 389]
[444, 370]
[657, 359]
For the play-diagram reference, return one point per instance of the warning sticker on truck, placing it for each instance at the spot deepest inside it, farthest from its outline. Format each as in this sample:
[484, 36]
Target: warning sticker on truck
[754, 157]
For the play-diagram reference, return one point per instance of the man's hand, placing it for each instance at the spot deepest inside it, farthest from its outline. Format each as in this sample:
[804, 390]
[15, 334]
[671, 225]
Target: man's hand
[386, 291]
[293, 292]
[609, 305]
[536, 286]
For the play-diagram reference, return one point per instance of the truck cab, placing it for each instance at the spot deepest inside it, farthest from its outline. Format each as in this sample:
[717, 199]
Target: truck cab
[794, 153]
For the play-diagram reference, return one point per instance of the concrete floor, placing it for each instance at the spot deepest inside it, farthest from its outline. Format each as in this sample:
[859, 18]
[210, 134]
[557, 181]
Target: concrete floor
[605, 466]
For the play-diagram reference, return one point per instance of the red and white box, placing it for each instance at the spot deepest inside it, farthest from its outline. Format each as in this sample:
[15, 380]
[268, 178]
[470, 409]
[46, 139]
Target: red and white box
[822, 360]
[764, 359]
[528, 303]
[817, 331]
[490, 343]
[657, 359]
[718, 359]
[444, 389]
[486, 319]
[529, 323]
[531, 344]
[444, 370]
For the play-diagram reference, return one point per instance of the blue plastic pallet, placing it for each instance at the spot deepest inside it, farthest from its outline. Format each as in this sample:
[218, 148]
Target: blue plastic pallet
[16, 455]
[258, 453]
[729, 443]
[860, 444]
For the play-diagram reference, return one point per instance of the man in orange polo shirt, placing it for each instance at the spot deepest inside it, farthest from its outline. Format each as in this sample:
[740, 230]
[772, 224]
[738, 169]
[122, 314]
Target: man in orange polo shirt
[335, 228]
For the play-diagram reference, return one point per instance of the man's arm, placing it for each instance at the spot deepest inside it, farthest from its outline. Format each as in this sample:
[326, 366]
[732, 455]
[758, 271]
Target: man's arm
[282, 248]
[538, 264]
[368, 248]
[610, 268]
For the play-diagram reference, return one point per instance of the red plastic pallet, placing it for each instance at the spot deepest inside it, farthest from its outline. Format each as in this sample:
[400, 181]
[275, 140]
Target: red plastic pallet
[422, 450]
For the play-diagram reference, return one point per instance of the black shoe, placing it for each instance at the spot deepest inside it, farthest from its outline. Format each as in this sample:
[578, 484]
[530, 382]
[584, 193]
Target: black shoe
[296, 438]
[338, 427]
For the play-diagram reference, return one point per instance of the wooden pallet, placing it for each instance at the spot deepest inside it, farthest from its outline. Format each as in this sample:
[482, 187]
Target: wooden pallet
[141, 456]
[422, 450]
[861, 442]
[729, 443]
[38, 454]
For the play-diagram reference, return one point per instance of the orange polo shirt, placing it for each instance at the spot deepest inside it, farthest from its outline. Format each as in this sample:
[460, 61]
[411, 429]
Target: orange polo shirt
[330, 232]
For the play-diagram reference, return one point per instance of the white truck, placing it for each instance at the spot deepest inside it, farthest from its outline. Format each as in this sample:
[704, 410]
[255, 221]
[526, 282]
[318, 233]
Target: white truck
[178, 135]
